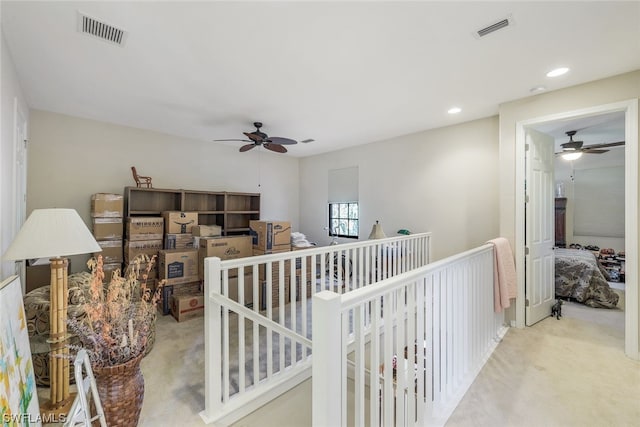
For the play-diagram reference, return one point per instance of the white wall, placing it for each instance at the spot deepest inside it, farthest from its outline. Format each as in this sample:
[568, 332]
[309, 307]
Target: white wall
[443, 180]
[11, 95]
[564, 171]
[71, 158]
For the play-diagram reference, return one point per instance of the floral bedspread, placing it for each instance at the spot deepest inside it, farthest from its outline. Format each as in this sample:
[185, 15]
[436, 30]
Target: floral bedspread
[578, 276]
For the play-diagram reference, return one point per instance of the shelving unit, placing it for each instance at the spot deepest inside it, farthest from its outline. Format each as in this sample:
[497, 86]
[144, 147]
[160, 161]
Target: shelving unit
[231, 211]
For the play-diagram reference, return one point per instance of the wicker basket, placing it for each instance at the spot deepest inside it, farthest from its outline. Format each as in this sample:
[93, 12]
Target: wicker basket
[121, 391]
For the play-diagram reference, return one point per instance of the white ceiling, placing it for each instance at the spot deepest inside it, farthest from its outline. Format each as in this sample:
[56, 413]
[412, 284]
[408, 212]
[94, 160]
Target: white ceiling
[342, 73]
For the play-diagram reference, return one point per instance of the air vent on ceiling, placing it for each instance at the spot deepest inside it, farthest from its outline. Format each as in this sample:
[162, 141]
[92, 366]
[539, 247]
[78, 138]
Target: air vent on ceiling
[503, 23]
[103, 31]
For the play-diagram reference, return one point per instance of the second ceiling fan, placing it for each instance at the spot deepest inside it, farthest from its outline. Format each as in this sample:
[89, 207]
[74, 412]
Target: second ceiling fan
[257, 138]
[576, 148]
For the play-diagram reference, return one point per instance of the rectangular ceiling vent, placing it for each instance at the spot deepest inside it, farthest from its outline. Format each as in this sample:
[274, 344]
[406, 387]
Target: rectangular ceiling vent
[93, 27]
[503, 23]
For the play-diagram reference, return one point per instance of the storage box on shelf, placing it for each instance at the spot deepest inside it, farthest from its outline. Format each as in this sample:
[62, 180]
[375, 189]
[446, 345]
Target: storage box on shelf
[271, 236]
[178, 241]
[177, 222]
[231, 211]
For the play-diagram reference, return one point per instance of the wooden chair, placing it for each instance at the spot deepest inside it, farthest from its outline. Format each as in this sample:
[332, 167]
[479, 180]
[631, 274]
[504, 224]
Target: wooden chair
[141, 180]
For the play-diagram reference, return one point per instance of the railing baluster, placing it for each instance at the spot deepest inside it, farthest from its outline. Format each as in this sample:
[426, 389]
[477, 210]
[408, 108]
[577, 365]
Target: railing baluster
[241, 345]
[225, 341]
[374, 355]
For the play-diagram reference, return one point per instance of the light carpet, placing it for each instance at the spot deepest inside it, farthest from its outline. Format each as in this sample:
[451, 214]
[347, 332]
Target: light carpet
[567, 372]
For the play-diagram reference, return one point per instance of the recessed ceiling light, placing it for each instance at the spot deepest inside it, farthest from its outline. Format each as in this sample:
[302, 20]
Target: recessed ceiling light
[557, 72]
[537, 89]
[454, 110]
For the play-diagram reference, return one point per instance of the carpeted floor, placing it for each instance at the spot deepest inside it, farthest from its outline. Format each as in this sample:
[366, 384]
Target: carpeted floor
[567, 372]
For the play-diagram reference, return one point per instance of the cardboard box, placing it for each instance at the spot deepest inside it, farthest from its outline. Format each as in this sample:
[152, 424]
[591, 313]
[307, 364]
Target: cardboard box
[187, 307]
[141, 247]
[178, 241]
[275, 293]
[152, 274]
[109, 269]
[298, 284]
[206, 230]
[248, 290]
[177, 266]
[107, 228]
[275, 270]
[111, 251]
[270, 235]
[107, 205]
[168, 291]
[145, 228]
[229, 247]
[179, 222]
[38, 276]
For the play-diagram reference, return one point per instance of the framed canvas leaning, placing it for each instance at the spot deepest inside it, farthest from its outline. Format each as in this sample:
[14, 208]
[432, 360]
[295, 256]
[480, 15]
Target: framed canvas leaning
[18, 395]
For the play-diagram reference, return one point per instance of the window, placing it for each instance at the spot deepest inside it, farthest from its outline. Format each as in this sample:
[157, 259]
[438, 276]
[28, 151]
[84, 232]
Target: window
[343, 219]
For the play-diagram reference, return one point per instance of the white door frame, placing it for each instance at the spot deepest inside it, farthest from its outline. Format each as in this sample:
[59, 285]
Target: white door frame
[632, 307]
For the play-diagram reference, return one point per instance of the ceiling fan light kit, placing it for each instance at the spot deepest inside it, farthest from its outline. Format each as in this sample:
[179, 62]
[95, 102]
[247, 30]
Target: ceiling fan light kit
[257, 138]
[573, 150]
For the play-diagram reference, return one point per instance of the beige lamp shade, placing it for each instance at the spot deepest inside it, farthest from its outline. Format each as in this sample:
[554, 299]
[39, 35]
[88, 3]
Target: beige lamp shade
[52, 233]
[377, 232]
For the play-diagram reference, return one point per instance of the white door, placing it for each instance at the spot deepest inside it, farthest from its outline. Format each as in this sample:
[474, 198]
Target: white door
[540, 237]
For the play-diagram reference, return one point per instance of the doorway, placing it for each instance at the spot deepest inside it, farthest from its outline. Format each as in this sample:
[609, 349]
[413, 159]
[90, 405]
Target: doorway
[630, 111]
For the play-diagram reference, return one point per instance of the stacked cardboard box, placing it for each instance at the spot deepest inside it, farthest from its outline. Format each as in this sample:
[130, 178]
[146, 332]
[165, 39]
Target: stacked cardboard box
[144, 237]
[169, 291]
[228, 247]
[187, 307]
[177, 227]
[106, 219]
[179, 270]
[270, 236]
[275, 292]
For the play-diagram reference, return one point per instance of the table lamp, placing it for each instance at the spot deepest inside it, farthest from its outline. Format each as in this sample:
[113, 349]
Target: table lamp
[377, 232]
[55, 233]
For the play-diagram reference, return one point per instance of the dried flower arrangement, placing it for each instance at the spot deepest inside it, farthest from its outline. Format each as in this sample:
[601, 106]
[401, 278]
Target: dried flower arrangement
[119, 317]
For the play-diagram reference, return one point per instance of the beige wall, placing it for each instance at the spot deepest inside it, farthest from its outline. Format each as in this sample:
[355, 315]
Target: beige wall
[71, 158]
[444, 181]
[606, 91]
[600, 92]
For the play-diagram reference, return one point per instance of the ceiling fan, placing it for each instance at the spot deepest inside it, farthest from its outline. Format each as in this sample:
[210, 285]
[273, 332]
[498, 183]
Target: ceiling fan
[572, 150]
[257, 138]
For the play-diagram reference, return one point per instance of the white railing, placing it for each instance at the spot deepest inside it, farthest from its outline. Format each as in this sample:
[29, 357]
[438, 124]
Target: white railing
[404, 351]
[258, 315]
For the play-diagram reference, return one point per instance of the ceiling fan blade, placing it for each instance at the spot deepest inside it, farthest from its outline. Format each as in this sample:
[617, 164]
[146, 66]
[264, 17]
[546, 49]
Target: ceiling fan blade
[572, 145]
[604, 145]
[253, 137]
[598, 151]
[275, 147]
[247, 147]
[224, 140]
[282, 141]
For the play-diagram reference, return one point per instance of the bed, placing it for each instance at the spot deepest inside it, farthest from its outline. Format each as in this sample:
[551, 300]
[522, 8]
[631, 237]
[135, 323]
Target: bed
[579, 277]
